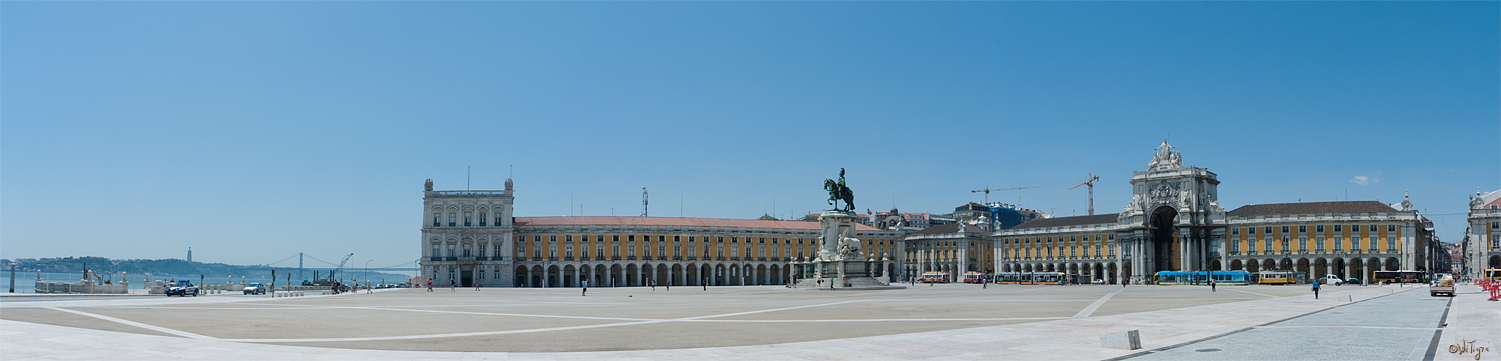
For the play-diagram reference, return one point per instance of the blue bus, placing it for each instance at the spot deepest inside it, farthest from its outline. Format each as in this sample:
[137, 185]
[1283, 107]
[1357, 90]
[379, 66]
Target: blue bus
[1202, 277]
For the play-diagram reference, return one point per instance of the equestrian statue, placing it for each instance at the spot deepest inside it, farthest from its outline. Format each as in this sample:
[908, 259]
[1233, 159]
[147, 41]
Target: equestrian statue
[840, 192]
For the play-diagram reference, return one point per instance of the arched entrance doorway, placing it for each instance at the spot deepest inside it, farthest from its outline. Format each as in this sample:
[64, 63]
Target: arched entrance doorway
[1161, 228]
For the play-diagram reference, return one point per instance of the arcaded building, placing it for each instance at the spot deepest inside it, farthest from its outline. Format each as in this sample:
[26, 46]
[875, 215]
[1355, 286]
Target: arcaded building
[1482, 247]
[1174, 222]
[471, 237]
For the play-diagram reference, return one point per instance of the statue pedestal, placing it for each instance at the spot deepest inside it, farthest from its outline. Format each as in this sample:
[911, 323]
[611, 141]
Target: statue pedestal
[840, 261]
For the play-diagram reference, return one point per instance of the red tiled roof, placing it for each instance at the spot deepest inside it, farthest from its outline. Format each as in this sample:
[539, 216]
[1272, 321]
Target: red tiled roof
[1311, 208]
[1069, 221]
[1495, 203]
[667, 221]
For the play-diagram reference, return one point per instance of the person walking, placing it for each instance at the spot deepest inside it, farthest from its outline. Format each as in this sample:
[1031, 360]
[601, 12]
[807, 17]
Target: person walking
[452, 286]
[586, 288]
[368, 290]
[1211, 285]
[705, 282]
[983, 283]
[653, 284]
[1315, 289]
[429, 285]
[476, 286]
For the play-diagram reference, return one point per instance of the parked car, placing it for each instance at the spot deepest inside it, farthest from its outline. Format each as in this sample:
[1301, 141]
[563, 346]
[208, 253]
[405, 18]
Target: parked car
[255, 289]
[182, 288]
[1332, 280]
[1352, 280]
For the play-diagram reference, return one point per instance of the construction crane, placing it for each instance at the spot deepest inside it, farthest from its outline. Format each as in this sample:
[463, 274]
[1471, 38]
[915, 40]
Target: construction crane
[987, 191]
[1089, 183]
[334, 273]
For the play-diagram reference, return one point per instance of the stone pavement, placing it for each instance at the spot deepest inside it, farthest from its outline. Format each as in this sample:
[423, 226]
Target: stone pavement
[1066, 338]
[1471, 318]
[1400, 326]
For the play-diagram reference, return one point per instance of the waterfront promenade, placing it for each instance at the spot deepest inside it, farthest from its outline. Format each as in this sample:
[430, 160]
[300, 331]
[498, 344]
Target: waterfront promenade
[738, 323]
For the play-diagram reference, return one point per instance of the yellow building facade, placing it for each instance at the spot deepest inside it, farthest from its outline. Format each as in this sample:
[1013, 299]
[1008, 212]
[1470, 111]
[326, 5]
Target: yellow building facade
[471, 238]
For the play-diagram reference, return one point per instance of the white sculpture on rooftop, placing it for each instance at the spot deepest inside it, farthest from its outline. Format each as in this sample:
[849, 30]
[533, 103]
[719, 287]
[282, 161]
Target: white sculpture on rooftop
[1165, 158]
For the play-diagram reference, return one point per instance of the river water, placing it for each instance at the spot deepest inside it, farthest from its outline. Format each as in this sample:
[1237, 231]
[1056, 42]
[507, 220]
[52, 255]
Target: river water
[26, 281]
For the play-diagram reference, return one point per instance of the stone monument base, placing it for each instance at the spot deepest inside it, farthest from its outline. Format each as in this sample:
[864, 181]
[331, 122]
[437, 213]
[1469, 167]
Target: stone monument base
[843, 274]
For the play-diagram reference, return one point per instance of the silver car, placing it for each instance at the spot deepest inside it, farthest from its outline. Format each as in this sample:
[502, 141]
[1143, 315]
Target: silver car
[255, 289]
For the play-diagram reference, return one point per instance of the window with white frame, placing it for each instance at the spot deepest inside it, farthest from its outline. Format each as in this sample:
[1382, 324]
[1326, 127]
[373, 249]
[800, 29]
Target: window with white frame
[452, 217]
[1391, 244]
[1339, 243]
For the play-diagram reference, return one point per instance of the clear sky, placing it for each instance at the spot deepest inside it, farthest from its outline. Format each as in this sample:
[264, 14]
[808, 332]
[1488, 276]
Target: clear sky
[251, 131]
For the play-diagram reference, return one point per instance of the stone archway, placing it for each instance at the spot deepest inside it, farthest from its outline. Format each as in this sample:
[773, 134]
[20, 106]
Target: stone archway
[1235, 265]
[1160, 241]
[1320, 268]
[521, 276]
[1494, 262]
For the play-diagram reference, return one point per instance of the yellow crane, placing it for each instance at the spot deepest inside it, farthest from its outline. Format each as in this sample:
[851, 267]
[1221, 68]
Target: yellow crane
[1089, 183]
[987, 191]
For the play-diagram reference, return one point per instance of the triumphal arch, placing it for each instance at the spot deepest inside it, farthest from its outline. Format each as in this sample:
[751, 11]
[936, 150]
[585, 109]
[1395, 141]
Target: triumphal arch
[1173, 219]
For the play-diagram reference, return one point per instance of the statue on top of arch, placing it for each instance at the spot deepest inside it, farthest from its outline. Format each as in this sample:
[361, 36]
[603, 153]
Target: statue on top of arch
[1165, 158]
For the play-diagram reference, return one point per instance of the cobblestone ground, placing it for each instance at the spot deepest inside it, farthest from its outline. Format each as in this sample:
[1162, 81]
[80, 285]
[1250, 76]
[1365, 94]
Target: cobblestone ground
[1396, 327]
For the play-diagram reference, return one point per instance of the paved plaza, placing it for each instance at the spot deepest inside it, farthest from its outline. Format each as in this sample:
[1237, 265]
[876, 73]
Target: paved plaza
[923, 322]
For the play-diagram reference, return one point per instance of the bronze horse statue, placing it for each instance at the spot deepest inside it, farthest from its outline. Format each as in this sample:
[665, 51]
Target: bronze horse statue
[838, 191]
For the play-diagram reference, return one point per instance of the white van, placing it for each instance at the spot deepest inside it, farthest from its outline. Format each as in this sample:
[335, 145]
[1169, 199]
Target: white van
[1332, 280]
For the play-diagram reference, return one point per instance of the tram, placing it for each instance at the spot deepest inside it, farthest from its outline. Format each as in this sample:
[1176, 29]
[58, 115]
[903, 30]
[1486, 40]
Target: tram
[1202, 277]
[1279, 277]
[935, 277]
[1035, 278]
[974, 277]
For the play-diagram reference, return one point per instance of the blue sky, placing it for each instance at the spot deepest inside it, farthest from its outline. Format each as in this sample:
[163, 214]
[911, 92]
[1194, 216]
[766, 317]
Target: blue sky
[252, 131]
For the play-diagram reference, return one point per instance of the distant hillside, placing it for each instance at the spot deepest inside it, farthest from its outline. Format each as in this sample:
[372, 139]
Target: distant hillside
[175, 267]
